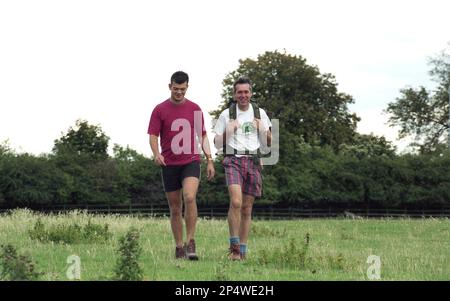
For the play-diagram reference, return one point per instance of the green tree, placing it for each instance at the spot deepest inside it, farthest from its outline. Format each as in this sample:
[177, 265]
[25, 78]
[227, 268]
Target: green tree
[306, 102]
[5, 149]
[83, 139]
[422, 113]
[29, 180]
[310, 110]
[138, 177]
[81, 154]
[5, 154]
[368, 146]
[430, 182]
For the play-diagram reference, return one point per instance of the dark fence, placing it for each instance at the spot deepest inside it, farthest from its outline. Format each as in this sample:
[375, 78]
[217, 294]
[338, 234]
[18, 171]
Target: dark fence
[260, 212]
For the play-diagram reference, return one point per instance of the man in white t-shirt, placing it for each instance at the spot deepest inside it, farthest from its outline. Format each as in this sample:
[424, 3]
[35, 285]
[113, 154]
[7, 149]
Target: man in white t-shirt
[241, 137]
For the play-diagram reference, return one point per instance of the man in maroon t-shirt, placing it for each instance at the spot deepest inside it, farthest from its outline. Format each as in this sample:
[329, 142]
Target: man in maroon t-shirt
[179, 122]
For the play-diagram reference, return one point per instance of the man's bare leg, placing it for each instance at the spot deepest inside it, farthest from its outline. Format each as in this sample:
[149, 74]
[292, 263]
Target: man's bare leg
[190, 187]
[176, 218]
[246, 217]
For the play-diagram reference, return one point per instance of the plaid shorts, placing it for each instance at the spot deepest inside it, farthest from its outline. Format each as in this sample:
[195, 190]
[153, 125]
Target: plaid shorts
[244, 172]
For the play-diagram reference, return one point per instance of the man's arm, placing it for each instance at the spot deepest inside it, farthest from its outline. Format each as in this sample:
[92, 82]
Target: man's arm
[231, 127]
[159, 159]
[210, 171]
[218, 141]
[206, 147]
[264, 135]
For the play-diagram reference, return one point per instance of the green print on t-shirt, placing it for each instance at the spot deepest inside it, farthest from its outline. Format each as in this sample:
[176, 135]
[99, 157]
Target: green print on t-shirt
[247, 128]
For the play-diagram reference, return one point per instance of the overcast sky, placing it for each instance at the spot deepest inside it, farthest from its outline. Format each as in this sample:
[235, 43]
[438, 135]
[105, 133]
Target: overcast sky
[109, 62]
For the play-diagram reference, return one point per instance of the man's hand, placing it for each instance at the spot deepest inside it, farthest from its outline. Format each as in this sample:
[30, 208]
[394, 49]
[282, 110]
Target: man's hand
[159, 160]
[259, 125]
[210, 171]
[264, 134]
[232, 126]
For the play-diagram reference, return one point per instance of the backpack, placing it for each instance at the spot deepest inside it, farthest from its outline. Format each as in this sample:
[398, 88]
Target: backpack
[232, 110]
[232, 106]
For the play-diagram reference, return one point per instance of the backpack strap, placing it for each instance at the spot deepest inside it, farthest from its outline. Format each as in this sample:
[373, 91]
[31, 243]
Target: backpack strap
[232, 111]
[257, 115]
[256, 112]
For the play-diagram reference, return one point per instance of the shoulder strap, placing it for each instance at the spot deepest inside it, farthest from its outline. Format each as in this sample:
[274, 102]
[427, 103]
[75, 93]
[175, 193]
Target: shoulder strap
[233, 111]
[256, 111]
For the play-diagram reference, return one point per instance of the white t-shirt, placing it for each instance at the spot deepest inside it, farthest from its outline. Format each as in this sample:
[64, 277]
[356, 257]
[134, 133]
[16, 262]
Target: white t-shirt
[246, 136]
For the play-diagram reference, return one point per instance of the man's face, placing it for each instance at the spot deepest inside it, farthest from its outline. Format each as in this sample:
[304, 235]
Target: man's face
[243, 94]
[177, 91]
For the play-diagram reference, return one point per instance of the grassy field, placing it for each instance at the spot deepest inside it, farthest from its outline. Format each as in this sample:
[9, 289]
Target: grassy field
[409, 249]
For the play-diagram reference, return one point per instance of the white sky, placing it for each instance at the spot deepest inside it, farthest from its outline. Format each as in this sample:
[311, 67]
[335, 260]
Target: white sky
[109, 62]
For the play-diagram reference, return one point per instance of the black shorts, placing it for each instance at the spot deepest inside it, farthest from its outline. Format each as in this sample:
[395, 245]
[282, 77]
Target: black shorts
[173, 176]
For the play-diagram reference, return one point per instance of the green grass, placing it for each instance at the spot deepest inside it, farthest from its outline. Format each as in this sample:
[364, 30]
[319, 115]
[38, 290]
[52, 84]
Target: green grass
[409, 249]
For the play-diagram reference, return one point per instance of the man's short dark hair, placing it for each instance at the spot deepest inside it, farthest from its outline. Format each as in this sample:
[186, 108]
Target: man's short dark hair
[242, 80]
[179, 77]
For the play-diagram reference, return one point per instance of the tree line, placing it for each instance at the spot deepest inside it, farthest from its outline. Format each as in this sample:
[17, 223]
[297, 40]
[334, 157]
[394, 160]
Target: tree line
[323, 160]
[317, 177]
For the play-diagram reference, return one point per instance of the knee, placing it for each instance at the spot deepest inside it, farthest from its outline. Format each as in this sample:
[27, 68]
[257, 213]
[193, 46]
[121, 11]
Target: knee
[236, 203]
[189, 198]
[246, 211]
[175, 210]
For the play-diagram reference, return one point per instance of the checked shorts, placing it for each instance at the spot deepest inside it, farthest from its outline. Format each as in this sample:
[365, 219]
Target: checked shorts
[245, 172]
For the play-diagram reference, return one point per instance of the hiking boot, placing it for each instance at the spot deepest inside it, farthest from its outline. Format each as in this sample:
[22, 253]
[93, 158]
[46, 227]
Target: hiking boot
[235, 252]
[180, 253]
[190, 250]
[243, 256]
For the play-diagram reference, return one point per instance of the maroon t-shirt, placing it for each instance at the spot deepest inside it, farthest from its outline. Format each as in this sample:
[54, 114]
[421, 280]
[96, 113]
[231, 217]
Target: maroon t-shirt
[179, 126]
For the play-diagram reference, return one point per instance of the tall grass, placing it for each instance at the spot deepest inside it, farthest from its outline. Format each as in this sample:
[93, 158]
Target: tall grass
[337, 249]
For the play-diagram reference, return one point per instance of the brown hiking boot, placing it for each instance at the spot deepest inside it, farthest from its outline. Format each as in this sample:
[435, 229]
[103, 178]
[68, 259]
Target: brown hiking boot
[180, 253]
[243, 256]
[190, 250]
[235, 252]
